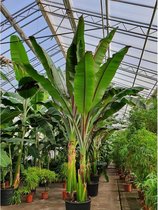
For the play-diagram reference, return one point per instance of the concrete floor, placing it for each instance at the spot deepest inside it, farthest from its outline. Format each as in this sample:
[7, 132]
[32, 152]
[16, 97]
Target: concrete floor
[107, 199]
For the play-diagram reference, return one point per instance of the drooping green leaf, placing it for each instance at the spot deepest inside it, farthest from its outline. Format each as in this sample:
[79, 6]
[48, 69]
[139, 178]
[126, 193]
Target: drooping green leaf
[84, 83]
[4, 159]
[27, 87]
[46, 84]
[13, 97]
[106, 74]
[128, 91]
[101, 49]
[116, 106]
[8, 114]
[7, 102]
[18, 54]
[74, 54]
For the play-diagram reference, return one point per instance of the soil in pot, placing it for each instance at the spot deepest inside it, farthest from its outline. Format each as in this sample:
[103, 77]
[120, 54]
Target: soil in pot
[78, 206]
[44, 195]
[128, 187]
[29, 198]
[6, 196]
[92, 189]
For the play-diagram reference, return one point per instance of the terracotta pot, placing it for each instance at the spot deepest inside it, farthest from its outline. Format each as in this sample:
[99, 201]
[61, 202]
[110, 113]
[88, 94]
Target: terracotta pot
[64, 185]
[29, 198]
[128, 187]
[146, 207]
[7, 184]
[65, 195]
[44, 195]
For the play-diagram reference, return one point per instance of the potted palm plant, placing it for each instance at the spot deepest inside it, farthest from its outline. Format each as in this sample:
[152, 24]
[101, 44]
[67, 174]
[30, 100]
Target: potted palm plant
[46, 176]
[86, 82]
[30, 182]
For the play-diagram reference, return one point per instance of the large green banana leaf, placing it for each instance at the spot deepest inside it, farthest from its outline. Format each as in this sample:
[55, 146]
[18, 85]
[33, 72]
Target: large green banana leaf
[101, 50]
[7, 114]
[74, 54]
[106, 74]
[46, 84]
[40, 96]
[18, 54]
[51, 70]
[84, 83]
[4, 159]
[115, 106]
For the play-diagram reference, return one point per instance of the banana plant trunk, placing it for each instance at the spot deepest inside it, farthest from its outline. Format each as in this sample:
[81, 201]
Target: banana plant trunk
[83, 166]
[16, 181]
[71, 175]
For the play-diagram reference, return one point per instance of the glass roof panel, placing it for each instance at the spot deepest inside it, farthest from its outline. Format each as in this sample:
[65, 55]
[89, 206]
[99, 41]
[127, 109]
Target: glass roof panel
[132, 18]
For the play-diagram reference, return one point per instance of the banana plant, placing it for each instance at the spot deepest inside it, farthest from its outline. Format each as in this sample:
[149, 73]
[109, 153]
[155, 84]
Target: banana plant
[18, 106]
[87, 80]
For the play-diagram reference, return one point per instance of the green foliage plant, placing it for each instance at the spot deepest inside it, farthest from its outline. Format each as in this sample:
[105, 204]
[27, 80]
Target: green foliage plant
[46, 176]
[150, 190]
[87, 79]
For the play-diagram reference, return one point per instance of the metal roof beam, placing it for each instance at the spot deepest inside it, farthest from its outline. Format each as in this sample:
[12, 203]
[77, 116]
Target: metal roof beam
[145, 42]
[70, 14]
[107, 22]
[12, 21]
[50, 25]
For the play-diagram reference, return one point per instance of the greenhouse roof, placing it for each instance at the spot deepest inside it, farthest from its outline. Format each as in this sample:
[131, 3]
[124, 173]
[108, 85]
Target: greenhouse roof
[53, 23]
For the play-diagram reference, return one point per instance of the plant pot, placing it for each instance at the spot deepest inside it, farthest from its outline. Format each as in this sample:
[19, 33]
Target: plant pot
[29, 198]
[92, 189]
[33, 192]
[64, 195]
[95, 178]
[7, 184]
[127, 187]
[64, 185]
[146, 207]
[78, 206]
[44, 195]
[6, 196]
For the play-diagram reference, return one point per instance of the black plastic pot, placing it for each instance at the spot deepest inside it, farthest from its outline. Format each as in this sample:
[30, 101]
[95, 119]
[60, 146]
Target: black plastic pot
[95, 178]
[6, 196]
[92, 189]
[78, 206]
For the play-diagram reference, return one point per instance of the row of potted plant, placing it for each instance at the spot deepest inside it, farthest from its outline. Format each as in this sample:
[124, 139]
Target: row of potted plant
[134, 152]
[30, 180]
